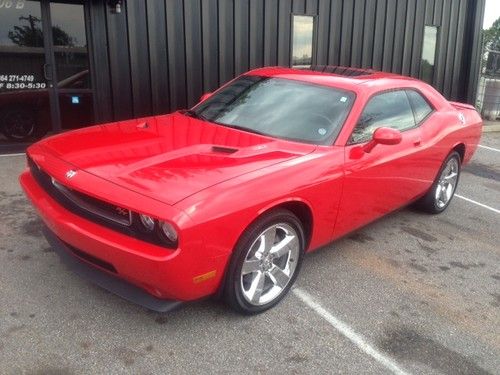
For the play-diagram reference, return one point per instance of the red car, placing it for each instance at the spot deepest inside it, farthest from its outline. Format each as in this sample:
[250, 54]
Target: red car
[225, 198]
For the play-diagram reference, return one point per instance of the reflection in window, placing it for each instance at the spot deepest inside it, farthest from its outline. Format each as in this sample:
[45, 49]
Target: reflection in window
[279, 108]
[302, 39]
[70, 45]
[428, 54]
[21, 48]
[391, 109]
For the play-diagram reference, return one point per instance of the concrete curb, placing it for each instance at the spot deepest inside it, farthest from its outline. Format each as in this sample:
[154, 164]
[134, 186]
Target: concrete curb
[491, 128]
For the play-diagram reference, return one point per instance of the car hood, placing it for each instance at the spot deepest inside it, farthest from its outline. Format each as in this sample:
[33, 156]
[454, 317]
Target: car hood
[169, 157]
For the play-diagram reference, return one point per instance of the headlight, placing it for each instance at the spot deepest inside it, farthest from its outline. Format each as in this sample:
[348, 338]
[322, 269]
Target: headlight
[148, 222]
[168, 231]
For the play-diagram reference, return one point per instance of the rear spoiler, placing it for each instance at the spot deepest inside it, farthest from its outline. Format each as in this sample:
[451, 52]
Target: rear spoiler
[458, 105]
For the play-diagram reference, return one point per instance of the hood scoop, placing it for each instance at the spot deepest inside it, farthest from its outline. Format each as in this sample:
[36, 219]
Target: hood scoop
[224, 150]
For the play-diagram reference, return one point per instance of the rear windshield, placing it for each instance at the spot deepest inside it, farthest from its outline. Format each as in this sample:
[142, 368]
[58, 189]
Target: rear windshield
[280, 108]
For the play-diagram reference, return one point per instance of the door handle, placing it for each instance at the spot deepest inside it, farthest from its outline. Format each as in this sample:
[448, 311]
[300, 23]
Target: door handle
[47, 74]
[417, 142]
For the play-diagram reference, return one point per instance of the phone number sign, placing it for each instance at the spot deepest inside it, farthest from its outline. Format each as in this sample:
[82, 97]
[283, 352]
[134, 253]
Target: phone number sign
[20, 82]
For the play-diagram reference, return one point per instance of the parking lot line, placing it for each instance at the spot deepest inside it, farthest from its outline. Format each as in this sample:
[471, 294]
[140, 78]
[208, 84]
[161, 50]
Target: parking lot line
[478, 203]
[349, 333]
[489, 148]
[18, 154]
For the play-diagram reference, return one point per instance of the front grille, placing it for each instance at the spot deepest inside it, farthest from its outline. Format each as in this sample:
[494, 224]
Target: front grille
[80, 203]
[95, 210]
[105, 210]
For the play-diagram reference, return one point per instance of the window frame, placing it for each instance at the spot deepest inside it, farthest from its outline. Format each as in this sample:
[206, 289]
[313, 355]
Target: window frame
[404, 89]
[314, 39]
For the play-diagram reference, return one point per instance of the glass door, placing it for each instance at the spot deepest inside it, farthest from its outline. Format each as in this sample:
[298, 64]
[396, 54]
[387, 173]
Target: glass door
[24, 88]
[44, 76]
[71, 64]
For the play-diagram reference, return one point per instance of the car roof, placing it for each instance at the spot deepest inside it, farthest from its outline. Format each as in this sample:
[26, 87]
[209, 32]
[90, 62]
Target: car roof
[338, 76]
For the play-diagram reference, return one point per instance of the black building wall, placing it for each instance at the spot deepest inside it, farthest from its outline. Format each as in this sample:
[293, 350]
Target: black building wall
[160, 55]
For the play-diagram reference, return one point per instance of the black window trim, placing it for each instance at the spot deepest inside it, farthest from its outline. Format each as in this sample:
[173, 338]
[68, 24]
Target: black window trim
[405, 89]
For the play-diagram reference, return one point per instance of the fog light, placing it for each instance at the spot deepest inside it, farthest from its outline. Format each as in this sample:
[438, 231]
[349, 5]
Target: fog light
[168, 231]
[148, 222]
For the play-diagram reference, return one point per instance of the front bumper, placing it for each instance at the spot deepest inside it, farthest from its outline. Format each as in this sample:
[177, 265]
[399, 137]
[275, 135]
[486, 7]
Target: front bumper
[185, 274]
[106, 280]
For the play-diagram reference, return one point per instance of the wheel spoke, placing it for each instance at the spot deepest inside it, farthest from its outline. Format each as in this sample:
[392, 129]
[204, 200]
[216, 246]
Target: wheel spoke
[278, 277]
[284, 246]
[452, 175]
[267, 240]
[449, 192]
[443, 196]
[437, 195]
[257, 287]
[250, 266]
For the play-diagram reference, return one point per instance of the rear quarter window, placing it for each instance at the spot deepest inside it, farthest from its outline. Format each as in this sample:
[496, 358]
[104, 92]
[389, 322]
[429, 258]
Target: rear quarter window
[421, 107]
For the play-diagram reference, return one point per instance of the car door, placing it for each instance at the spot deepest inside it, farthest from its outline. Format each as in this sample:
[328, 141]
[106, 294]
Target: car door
[387, 177]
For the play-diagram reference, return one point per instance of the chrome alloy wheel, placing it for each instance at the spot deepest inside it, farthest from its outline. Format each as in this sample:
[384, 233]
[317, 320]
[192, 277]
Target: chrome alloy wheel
[270, 264]
[447, 183]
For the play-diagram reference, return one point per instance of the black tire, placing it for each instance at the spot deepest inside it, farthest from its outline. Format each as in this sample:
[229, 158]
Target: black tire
[429, 203]
[21, 125]
[233, 289]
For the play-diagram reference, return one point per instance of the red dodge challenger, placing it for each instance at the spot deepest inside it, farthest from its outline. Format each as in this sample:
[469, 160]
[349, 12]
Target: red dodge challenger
[225, 198]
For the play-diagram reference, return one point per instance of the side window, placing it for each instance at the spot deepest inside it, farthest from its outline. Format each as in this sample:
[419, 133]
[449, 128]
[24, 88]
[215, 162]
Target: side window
[421, 107]
[391, 109]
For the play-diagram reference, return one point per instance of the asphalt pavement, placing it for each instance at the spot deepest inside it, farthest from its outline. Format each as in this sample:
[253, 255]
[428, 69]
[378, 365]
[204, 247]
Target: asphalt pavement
[408, 294]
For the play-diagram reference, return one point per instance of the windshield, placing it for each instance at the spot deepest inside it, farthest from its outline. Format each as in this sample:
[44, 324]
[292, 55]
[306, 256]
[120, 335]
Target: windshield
[280, 108]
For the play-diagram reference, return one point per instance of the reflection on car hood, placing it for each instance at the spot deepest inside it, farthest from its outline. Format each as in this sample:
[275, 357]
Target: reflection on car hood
[169, 157]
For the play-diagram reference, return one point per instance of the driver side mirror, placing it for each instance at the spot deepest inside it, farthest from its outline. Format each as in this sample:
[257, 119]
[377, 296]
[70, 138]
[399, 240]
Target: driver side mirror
[383, 136]
[205, 96]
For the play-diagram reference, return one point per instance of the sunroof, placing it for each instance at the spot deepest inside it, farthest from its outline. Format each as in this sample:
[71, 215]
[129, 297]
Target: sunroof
[340, 70]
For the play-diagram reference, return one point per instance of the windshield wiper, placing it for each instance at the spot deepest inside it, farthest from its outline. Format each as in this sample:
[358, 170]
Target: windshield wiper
[193, 114]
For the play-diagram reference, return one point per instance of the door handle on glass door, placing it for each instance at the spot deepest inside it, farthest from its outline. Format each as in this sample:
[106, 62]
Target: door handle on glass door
[47, 74]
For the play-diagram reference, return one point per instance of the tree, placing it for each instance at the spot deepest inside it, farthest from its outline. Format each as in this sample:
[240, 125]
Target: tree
[491, 36]
[491, 50]
[31, 35]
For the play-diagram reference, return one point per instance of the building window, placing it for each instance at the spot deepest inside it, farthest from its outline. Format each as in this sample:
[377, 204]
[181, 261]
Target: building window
[302, 40]
[428, 54]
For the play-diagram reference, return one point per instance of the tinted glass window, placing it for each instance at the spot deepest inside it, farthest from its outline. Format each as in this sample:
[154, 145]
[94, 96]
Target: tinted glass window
[420, 106]
[70, 45]
[302, 40]
[428, 53]
[391, 109]
[279, 107]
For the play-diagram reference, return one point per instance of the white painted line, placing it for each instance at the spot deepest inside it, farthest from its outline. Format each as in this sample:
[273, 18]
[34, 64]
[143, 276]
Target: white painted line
[349, 333]
[489, 148]
[479, 204]
[19, 154]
